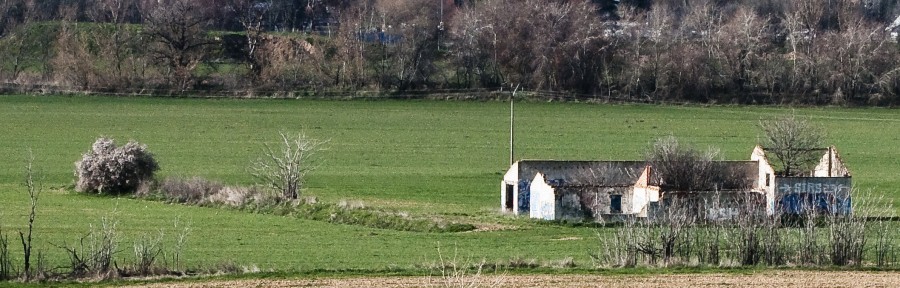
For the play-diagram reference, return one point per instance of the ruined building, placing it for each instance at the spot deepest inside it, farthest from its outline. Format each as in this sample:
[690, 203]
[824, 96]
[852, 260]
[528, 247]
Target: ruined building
[614, 190]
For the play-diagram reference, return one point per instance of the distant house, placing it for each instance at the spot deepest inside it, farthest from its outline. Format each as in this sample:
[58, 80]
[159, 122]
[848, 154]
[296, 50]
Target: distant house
[614, 190]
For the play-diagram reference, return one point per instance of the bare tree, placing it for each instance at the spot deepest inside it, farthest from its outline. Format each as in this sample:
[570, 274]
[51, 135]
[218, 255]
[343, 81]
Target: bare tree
[34, 190]
[475, 56]
[179, 40]
[549, 45]
[17, 15]
[5, 261]
[854, 58]
[408, 33]
[6, 267]
[284, 168]
[684, 168]
[794, 142]
[78, 57]
[793, 24]
[116, 13]
[746, 36]
[347, 66]
[648, 49]
[7, 7]
[251, 14]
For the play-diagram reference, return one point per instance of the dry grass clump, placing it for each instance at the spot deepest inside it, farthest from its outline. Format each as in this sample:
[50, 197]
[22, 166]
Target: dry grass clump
[195, 190]
[200, 191]
[351, 204]
[236, 196]
[565, 263]
[95, 255]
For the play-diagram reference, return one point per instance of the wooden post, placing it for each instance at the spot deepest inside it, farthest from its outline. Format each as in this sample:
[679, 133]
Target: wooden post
[830, 156]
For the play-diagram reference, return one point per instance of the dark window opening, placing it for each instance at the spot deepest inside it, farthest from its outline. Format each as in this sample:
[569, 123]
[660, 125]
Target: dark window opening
[768, 176]
[509, 197]
[615, 204]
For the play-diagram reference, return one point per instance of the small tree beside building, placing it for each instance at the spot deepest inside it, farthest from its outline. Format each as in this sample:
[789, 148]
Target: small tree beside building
[795, 143]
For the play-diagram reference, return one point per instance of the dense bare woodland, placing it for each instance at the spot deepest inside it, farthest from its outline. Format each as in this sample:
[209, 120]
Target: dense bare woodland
[759, 51]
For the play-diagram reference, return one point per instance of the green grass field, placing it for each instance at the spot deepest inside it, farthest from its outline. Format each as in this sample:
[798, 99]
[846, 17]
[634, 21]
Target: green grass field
[425, 157]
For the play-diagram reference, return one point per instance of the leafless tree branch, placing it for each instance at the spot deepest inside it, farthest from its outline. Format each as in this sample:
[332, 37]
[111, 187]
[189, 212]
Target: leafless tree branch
[284, 167]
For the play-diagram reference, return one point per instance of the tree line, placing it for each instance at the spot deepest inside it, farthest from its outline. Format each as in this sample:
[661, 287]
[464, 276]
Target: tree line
[713, 51]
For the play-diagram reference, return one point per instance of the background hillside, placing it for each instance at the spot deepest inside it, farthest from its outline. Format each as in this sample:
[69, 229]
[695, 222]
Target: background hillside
[765, 51]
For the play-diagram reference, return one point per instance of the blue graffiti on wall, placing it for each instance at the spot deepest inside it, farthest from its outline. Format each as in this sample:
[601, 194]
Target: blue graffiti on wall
[822, 203]
[799, 195]
[556, 182]
[524, 195]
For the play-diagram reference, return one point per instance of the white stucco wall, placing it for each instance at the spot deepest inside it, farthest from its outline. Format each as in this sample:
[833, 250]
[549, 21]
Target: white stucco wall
[642, 194]
[765, 169]
[543, 199]
[510, 178]
[641, 199]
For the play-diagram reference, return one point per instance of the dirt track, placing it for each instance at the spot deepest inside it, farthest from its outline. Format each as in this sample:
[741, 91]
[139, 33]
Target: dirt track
[779, 279]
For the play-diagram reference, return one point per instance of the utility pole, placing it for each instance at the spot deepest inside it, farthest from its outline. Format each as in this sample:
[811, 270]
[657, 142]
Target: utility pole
[512, 126]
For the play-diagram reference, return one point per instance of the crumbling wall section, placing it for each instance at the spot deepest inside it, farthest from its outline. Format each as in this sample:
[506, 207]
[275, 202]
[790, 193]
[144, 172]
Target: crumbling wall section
[831, 165]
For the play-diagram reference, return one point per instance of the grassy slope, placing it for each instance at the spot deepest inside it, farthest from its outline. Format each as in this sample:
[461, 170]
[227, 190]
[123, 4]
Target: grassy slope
[419, 156]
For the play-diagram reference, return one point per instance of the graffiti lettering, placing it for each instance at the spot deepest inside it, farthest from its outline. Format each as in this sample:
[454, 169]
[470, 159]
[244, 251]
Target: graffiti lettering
[821, 194]
[785, 189]
[812, 188]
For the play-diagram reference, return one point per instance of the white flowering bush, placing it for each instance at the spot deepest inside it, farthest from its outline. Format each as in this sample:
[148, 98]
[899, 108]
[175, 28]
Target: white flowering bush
[108, 169]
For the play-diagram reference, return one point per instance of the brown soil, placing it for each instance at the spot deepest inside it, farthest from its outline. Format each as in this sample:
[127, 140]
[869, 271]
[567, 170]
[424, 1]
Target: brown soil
[774, 279]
